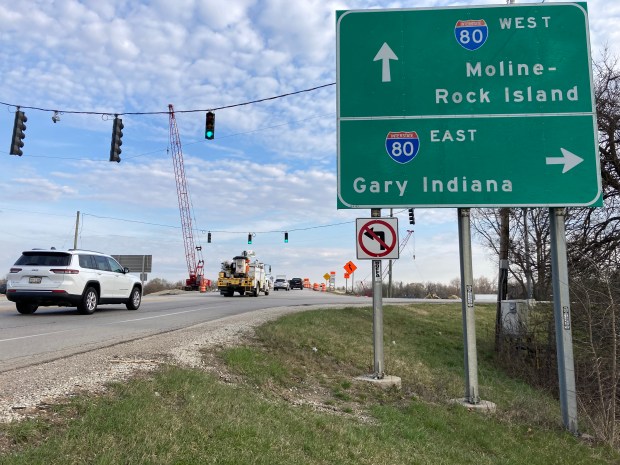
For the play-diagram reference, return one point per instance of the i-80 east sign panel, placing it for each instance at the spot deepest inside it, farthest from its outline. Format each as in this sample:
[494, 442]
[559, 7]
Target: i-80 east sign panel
[465, 107]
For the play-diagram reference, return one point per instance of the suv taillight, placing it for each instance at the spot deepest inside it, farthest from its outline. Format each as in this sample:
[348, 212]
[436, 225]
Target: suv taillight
[15, 270]
[64, 271]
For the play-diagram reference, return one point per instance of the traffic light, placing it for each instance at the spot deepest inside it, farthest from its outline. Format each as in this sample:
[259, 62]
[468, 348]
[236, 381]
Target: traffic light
[249, 238]
[17, 142]
[209, 237]
[117, 136]
[286, 237]
[411, 216]
[210, 126]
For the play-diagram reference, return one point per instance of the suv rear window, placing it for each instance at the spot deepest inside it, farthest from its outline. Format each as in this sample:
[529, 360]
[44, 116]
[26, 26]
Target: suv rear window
[44, 259]
[87, 261]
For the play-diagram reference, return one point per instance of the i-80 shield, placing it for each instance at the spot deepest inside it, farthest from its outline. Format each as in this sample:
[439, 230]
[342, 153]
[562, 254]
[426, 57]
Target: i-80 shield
[402, 147]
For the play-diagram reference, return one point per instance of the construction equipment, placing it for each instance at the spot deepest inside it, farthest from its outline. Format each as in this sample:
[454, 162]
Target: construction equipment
[244, 274]
[193, 253]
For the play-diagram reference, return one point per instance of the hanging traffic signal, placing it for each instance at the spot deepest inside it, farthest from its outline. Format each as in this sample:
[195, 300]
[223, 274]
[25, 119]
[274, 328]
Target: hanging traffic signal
[210, 126]
[249, 238]
[117, 136]
[17, 141]
[411, 216]
[286, 237]
[209, 237]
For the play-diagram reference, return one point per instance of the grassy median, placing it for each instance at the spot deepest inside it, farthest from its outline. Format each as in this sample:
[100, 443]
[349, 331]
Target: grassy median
[289, 396]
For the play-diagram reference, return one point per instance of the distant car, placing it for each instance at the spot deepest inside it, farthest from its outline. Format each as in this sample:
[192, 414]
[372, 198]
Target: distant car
[3, 288]
[70, 278]
[296, 283]
[281, 283]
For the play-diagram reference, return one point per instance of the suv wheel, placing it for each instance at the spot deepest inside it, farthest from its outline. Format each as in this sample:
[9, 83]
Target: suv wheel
[26, 308]
[88, 305]
[134, 299]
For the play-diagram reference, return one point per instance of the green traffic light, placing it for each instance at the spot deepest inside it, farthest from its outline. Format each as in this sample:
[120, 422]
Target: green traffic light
[210, 126]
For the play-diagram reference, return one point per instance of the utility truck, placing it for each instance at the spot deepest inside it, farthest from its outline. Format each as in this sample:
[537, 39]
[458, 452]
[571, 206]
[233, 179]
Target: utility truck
[243, 274]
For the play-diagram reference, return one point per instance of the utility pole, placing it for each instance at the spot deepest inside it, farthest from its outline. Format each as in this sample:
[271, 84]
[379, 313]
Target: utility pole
[77, 226]
[528, 266]
[502, 284]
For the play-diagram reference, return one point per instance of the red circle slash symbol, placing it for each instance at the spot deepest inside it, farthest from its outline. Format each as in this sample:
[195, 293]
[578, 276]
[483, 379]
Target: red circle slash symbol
[368, 231]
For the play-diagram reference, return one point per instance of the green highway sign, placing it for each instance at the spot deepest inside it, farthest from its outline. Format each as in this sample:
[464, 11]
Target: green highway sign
[466, 107]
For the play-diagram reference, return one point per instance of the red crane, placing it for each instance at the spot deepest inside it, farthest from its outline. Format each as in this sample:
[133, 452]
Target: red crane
[193, 254]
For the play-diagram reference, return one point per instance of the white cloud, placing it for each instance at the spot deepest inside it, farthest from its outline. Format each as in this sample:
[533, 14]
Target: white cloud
[272, 166]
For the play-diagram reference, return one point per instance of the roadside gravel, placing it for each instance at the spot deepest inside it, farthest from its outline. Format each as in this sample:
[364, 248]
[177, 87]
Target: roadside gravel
[27, 391]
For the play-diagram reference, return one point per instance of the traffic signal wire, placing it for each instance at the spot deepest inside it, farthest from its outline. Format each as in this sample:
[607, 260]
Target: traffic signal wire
[164, 151]
[224, 107]
[202, 230]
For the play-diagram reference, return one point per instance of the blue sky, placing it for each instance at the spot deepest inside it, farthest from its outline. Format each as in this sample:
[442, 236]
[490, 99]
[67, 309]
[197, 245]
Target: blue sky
[271, 167]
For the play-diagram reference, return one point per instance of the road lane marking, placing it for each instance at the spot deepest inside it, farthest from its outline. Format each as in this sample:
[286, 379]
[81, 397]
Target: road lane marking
[107, 324]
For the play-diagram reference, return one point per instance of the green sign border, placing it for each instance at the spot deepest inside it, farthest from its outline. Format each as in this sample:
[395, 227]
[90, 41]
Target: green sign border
[596, 201]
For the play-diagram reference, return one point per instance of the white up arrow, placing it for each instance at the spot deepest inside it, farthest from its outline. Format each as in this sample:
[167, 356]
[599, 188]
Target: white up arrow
[568, 159]
[385, 54]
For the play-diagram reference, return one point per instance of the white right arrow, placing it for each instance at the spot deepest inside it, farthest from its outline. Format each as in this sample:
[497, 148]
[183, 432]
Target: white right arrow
[568, 159]
[385, 54]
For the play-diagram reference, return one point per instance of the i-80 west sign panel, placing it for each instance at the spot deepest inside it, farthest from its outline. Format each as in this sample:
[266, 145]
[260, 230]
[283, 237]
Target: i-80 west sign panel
[466, 107]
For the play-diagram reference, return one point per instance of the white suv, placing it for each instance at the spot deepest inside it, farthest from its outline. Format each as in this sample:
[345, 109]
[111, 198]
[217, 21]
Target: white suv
[70, 278]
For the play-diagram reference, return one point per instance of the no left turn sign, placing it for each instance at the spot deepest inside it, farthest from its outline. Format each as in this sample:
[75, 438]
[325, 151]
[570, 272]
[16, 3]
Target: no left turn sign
[377, 238]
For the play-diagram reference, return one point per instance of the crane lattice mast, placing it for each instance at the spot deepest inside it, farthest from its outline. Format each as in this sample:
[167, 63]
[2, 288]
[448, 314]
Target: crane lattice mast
[403, 243]
[194, 266]
[401, 247]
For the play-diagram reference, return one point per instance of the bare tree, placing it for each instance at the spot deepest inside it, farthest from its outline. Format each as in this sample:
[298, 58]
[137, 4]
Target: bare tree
[591, 232]
[595, 312]
[593, 248]
[487, 227]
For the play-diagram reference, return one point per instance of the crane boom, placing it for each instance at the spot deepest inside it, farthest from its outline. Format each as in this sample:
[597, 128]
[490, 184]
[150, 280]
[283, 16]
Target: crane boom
[194, 265]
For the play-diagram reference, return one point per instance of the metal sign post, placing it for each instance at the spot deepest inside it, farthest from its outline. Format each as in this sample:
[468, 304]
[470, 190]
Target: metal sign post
[377, 319]
[467, 302]
[561, 309]
[350, 268]
[377, 309]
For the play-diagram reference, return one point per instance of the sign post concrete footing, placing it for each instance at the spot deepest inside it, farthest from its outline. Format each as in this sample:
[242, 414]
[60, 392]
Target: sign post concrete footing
[482, 406]
[386, 382]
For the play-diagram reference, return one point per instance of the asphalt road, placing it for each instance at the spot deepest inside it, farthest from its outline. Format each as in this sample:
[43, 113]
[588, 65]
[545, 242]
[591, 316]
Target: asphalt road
[53, 332]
